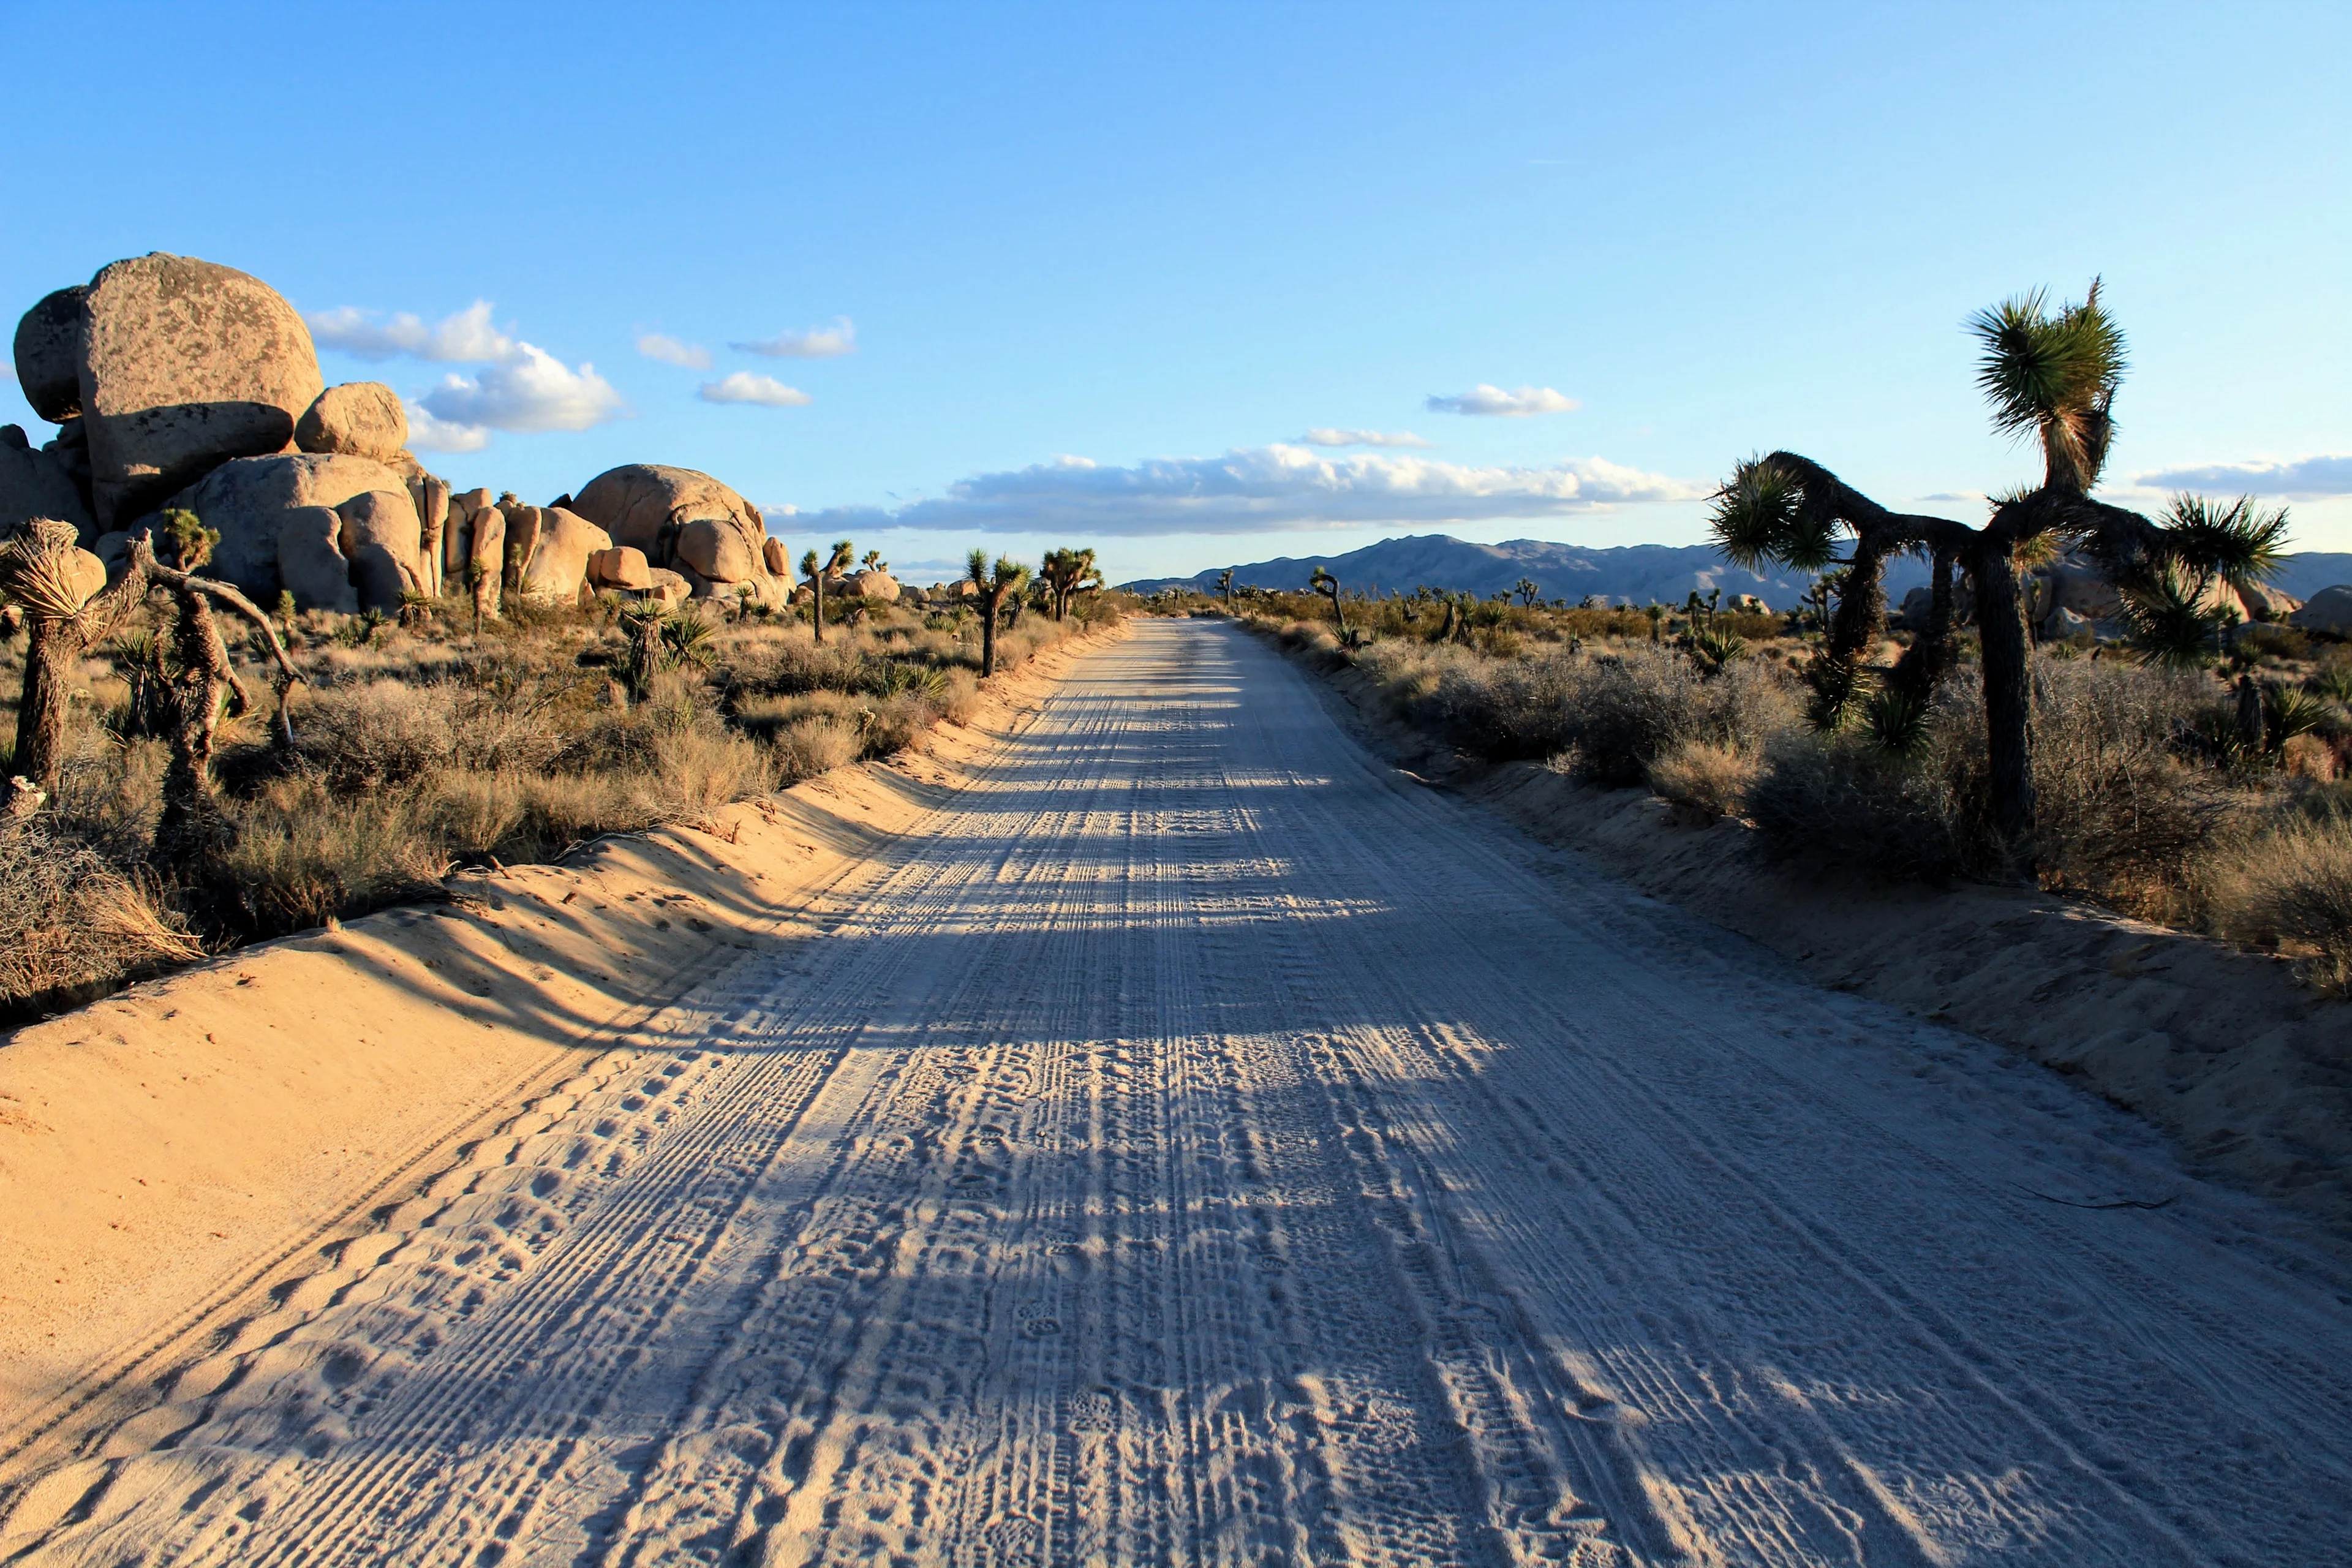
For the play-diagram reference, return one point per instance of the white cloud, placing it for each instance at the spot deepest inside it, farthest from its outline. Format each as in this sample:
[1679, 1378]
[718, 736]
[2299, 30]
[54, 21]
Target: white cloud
[817, 342]
[2305, 479]
[1494, 400]
[466, 337]
[1281, 486]
[533, 391]
[427, 434]
[674, 351]
[744, 387]
[1325, 436]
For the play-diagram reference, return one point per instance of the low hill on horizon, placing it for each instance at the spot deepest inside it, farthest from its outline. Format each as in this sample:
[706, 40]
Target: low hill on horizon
[1640, 572]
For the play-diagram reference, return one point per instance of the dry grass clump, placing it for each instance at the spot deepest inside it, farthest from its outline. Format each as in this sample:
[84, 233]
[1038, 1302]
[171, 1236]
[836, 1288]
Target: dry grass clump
[2294, 885]
[1707, 775]
[72, 926]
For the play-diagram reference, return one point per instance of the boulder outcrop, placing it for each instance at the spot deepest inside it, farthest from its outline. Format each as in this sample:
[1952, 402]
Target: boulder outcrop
[686, 521]
[311, 564]
[248, 500]
[381, 539]
[558, 567]
[2327, 612]
[619, 566]
[48, 356]
[358, 419]
[184, 366]
[34, 484]
[878, 587]
[776, 558]
[668, 586]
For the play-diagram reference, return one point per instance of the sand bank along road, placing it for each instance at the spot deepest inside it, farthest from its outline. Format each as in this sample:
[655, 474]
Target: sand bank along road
[1202, 1145]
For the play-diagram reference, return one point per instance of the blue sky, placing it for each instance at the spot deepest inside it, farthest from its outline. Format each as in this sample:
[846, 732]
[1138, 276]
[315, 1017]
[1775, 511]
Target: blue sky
[1022, 275]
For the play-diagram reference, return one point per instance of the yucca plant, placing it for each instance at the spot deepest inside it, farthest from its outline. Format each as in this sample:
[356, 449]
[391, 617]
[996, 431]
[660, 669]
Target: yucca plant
[1323, 583]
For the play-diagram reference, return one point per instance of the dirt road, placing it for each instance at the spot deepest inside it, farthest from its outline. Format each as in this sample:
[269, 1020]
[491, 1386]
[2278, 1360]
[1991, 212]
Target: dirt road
[1204, 1145]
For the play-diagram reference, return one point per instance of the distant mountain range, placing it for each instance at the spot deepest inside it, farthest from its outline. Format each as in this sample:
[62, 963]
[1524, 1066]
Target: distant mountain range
[1638, 573]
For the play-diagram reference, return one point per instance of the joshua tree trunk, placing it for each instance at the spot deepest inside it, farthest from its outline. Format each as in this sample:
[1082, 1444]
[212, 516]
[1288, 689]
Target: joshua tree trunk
[816, 606]
[50, 647]
[988, 634]
[2008, 696]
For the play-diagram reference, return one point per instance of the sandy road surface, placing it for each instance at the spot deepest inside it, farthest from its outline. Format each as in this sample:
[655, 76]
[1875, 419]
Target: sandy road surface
[1204, 1146]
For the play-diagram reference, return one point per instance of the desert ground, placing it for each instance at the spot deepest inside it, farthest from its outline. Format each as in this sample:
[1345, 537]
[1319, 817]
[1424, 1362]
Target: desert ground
[1197, 1142]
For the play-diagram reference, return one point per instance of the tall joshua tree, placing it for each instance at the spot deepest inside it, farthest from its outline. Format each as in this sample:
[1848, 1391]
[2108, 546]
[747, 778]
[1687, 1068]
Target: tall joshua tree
[816, 570]
[2050, 377]
[1225, 587]
[1068, 572]
[995, 583]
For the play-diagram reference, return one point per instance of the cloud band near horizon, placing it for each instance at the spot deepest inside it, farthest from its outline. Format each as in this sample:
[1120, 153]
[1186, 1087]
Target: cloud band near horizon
[1280, 486]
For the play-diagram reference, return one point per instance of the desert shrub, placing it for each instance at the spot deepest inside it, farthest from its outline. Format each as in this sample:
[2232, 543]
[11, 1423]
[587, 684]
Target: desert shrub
[71, 925]
[1840, 797]
[2117, 813]
[807, 747]
[1709, 775]
[2294, 884]
[1624, 710]
[383, 735]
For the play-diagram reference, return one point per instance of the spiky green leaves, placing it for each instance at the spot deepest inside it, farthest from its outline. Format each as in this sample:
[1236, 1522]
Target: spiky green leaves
[2239, 543]
[2171, 619]
[2054, 376]
[1760, 515]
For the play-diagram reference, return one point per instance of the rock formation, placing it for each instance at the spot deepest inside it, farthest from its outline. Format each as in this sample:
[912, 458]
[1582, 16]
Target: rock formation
[358, 419]
[686, 522]
[2327, 612]
[34, 484]
[184, 365]
[248, 500]
[557, 569]
[48, 356]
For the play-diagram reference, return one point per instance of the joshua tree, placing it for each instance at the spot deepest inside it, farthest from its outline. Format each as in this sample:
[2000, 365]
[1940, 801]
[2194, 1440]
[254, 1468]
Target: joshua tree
[191, 821]
[1527, 591]
[816, 571]
[1323, 583]
[1225, 587]
[2051, 376]
[993, 582]
[477, 582]
[1068, 572]
[873, 562]
[37, 572]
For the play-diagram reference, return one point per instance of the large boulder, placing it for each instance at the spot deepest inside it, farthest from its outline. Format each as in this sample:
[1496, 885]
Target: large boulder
[878, 587]
[620, 567]
[311, 564]
[381, 538]
[777, 558]
[186, 365]
[34, 484]
[48, 356]
[668, 587]
[716, 548]
[2265, 603]
[2327, 612]
[653, 508]
[248, 500]
[360, 419]
[558, 569]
